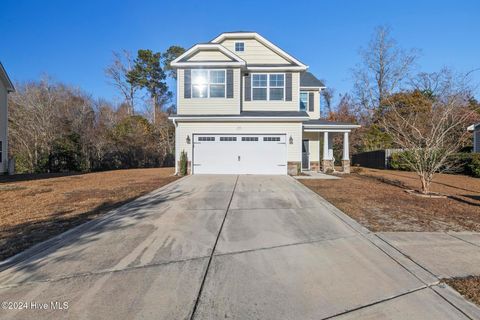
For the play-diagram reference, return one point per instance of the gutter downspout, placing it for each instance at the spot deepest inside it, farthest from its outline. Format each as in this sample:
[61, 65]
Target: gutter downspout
[176, 164]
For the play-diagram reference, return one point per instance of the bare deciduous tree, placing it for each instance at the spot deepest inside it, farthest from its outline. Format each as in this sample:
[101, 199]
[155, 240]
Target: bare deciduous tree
[117, 72]
[383, 68]
[430, 133]
[327, 97]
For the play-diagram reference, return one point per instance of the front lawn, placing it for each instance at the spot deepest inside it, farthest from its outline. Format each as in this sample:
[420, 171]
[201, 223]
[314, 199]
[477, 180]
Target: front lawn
[37, 207]
[377, 199]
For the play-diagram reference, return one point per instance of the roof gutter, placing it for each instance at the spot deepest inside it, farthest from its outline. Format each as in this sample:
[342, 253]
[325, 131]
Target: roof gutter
[326, 126]
[234, 118]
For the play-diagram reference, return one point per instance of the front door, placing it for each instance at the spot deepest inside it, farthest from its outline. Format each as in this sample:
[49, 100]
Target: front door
[305, 155]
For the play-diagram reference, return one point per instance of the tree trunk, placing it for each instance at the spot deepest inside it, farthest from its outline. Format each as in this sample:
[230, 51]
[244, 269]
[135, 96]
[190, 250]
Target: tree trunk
[425, 184]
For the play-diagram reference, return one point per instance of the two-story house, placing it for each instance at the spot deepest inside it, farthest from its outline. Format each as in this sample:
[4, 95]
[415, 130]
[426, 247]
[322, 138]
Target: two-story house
[6, 87]
[245, 106]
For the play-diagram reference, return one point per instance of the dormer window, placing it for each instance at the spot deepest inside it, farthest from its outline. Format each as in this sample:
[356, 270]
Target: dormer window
[239, 46]
[208, 83]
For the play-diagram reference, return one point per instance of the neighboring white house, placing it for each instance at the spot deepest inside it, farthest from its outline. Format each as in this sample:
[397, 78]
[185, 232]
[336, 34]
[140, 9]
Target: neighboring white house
[6, 87]
[245, 106]
[475, 128]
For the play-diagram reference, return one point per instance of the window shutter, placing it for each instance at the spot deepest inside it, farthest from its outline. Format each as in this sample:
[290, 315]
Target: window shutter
[229, 83]
[288, 86]
[311, 101]
[248, 86]
[187, 84]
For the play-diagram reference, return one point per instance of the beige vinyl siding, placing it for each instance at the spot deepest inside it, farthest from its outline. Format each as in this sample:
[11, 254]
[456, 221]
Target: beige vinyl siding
[313, 144]
[294, 105]
[209, 55]
[293, 129]
[3, 127]
[208, 106]
[255, 52]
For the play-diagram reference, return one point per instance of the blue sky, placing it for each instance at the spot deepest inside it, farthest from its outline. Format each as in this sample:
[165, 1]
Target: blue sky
[72, 41]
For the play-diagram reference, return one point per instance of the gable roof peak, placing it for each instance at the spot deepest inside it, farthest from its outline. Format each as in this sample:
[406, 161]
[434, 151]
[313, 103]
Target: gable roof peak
[5, 79]
[264, 41]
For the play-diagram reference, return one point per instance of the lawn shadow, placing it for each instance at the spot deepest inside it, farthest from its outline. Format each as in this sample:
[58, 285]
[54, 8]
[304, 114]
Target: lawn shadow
[46, 237]
[36, 176]
[433, 182]
[477, 204]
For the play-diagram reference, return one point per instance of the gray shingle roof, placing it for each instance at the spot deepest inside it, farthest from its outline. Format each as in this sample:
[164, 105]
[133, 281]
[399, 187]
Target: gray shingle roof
[309, 80]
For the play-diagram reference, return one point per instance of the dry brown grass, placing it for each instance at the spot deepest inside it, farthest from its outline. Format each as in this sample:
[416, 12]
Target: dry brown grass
[468, 287]
[37, 207]
[377, 199]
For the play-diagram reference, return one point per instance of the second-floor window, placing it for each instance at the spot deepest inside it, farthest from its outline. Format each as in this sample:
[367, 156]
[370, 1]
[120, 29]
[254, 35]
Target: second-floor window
[268, 86]
[208, 83]
[303, 101]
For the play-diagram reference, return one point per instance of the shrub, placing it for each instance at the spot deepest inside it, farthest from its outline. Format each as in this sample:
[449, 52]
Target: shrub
[468, 163]
[183, 163]
[398, 161]
[465, 163]
[473, 168]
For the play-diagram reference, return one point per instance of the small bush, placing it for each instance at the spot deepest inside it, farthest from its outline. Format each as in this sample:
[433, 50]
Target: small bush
[473, 168]
[183, 163]
[468, 163]
[465, 163]
[398, 161]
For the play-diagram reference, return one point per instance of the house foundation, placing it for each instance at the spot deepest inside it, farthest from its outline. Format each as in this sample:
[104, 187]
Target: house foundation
[327, 165]
[294, 168]
[346, 166]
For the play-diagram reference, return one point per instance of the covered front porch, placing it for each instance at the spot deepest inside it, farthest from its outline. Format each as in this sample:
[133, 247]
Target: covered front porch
[317, 145]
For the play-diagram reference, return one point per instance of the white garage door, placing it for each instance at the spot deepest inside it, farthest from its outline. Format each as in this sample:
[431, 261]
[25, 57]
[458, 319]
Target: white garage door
[240, 154]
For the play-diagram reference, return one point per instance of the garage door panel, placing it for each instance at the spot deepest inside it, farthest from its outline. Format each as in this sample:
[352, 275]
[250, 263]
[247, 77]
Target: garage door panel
[240, 154]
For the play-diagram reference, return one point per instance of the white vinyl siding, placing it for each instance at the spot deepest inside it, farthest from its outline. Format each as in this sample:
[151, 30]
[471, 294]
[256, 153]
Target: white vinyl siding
[208, 106]
[209, 55]
[272, 105]
[255, 52]
[293, 129]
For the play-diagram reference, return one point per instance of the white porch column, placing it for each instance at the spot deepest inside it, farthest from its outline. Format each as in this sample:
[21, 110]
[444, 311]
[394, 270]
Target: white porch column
[330, 146]
[327, 161]
[346, 153]
[326, 152]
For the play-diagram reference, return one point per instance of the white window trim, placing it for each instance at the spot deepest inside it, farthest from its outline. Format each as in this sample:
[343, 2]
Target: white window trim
[235, 46]
[268, 85]
[308, 101]
[209, 83]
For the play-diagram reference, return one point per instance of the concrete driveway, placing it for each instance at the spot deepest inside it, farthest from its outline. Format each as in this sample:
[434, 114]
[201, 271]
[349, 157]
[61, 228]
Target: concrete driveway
[225, 247]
